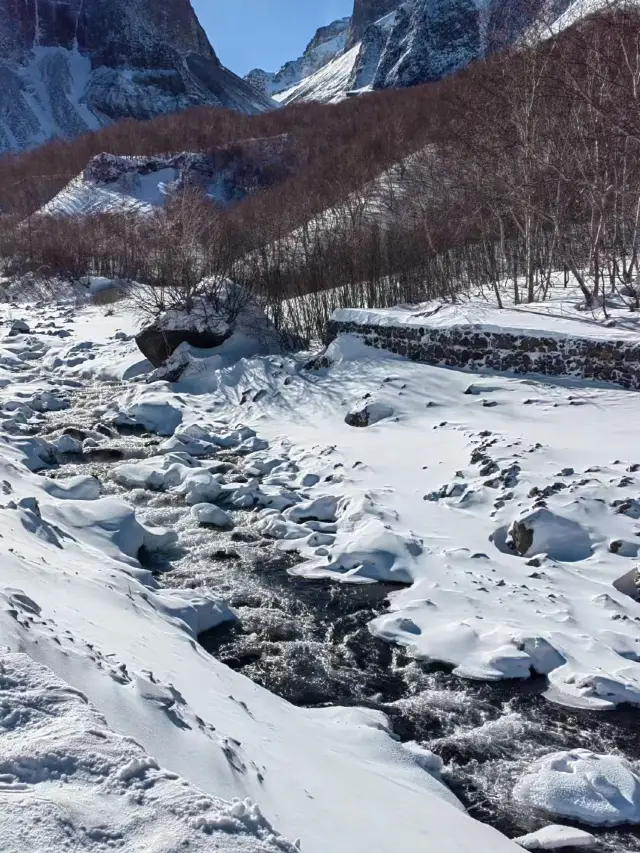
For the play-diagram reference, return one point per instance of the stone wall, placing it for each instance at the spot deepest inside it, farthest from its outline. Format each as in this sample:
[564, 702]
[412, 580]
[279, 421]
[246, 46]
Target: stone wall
[476, 349]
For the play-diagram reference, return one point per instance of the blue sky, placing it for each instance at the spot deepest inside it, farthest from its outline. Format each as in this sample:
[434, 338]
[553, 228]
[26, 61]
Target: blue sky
[250, 34]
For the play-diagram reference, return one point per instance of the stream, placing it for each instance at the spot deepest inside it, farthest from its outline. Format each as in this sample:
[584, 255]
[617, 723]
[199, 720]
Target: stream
[308, 642]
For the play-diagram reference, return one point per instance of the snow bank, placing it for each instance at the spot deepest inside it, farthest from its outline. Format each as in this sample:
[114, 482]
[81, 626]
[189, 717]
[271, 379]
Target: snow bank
[600, 790]
[69, 781]
[555, 838]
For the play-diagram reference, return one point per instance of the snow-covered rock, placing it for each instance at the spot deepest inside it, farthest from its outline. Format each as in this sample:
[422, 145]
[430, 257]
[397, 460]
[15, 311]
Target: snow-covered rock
[368, 414]
[541, 531]
[556, 837]
[599, 790]
[212, 516]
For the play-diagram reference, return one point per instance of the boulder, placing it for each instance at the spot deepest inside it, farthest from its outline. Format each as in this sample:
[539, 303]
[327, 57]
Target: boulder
[157, 344]
[369, 414]
[19, 327]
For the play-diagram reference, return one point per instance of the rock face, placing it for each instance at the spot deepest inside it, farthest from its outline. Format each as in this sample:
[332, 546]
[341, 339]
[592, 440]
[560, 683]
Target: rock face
[366, 12]
[95, 61]
[435, 38]
[391, 44]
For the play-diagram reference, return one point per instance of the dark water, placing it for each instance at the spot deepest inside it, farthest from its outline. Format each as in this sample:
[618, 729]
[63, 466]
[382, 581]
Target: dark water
[308, 642]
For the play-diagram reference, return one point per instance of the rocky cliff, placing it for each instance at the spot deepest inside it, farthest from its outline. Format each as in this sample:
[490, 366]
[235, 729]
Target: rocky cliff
[365, 13]
[392, 44]
[67, 66]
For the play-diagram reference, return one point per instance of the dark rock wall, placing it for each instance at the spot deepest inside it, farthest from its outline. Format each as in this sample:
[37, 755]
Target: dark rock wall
[475, 349]
[366, 12]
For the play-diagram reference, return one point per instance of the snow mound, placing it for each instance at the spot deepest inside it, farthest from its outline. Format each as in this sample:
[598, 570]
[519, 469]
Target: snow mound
[555, 838]
[599, 790]
[154, 412]
[68, 781]
[541, 531]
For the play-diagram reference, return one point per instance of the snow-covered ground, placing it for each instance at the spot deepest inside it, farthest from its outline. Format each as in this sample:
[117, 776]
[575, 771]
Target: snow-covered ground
[76, 601]
[439, 494]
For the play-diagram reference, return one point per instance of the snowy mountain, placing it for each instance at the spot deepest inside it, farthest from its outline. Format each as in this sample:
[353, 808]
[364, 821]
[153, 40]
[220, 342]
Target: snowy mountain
[75, 66]
[394, 45]
[328, 43]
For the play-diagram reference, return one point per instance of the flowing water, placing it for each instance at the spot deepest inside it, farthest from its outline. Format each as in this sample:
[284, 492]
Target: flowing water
[308, 642]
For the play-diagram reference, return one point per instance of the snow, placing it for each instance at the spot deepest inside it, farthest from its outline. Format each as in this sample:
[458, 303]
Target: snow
[85, 615]
[555, 838]
[470, 601]
[140, 194]
[600, 790]
[559, 316]
[68, 781]
[328, 85]
[437, 497]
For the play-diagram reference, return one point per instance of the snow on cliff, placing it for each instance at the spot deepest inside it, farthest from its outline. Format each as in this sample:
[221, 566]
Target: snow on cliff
[68, 68]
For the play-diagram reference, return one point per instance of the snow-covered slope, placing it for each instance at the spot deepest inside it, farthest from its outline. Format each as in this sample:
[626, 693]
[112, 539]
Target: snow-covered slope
[70, 782]
[72, 67]
[112, 184]
[328, 85]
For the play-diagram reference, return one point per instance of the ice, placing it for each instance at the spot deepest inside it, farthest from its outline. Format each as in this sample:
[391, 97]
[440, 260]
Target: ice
[555, 838]
[599, 790]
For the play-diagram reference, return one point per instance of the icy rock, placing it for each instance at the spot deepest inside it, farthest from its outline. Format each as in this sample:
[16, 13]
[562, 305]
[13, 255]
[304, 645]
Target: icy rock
[556, 837]
[199, 610]
[599, 790]
[541, 531]
[368, 415]
[140, 475]
[182, 443]
[66, 444]
[211, 515]
[275, 526]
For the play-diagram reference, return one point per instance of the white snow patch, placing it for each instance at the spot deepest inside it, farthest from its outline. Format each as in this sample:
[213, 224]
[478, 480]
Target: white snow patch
[600, 790]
